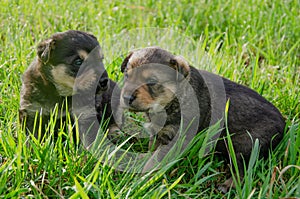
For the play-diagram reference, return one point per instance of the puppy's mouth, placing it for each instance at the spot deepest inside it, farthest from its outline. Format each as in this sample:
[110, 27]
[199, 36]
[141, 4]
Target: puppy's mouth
[135, 110]
[136, 107]
[132, 106]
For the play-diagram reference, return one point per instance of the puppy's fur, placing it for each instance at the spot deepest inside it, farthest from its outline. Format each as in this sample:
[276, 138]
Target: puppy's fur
[250, 116]
[50, 78]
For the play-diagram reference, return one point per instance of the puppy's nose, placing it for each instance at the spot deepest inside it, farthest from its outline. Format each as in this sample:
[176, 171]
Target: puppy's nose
[103, 82]
[128, 99]
[102, 85]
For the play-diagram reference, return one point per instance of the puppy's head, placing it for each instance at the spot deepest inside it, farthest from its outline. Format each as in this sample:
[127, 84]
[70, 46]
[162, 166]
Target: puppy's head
[152, 76]
[62, 55]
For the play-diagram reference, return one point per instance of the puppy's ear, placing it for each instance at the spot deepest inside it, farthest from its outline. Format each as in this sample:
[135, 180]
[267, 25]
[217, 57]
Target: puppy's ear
[44, 50]
[125, 62]
[181, 65]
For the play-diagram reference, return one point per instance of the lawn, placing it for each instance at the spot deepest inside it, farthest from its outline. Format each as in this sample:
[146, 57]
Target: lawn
[255, 43]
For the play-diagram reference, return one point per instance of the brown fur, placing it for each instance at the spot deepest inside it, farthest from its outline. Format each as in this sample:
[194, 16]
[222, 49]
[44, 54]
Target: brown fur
[50, 78]
[250, 116]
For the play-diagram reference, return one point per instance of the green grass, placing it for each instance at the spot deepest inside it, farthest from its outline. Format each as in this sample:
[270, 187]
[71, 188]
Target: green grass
[256, 43]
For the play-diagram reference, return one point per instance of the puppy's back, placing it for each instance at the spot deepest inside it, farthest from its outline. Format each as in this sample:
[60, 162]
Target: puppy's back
[250, 117]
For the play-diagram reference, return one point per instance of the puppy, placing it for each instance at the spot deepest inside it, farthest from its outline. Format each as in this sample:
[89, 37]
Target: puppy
[49, 81]
[148, 85]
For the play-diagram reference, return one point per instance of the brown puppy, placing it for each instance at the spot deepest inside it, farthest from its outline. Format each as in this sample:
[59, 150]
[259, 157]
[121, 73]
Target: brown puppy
[49, 80]
[250, 116]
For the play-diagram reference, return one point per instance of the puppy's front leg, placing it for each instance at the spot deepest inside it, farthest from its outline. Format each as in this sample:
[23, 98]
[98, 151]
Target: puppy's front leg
[114, 133]
[163, 137]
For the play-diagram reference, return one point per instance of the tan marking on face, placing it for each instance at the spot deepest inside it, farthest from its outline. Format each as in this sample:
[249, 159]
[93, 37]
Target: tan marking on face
[86, 80]
[82, 54]
[166, 76]
[135, 84]
[165, 98]
[129, 72]
[143, 98]
[63, 82]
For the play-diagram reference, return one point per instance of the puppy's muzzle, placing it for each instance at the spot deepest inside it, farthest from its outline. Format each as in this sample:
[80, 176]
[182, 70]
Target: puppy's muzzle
[128, 99]
[103, 84]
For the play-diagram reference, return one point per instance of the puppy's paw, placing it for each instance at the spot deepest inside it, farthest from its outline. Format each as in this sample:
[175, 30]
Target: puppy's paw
[227, 185]
[166, 135]
[224, 187]
[163, 137]
[114, 133]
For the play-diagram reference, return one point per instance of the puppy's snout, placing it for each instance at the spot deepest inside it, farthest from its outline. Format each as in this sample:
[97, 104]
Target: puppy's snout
[128, 99]
[103, 82]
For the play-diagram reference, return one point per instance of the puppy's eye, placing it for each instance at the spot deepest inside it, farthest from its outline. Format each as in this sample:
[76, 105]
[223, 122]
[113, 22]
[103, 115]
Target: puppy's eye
[151, 81]
[77, 62]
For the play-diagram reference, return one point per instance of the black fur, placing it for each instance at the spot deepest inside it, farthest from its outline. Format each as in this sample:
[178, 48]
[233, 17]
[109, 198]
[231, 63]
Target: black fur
[250, 116]
[40, 93]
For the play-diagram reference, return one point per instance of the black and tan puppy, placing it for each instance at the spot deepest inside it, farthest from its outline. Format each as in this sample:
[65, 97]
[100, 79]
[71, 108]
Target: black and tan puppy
[147, 86]
[49, 80]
